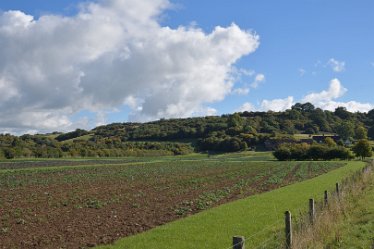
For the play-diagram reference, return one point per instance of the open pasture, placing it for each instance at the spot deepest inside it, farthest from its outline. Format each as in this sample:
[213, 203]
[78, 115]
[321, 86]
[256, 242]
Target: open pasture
[82, 204]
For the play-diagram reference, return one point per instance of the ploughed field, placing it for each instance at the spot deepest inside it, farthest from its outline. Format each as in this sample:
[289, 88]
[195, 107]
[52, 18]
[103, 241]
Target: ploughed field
[49, 205]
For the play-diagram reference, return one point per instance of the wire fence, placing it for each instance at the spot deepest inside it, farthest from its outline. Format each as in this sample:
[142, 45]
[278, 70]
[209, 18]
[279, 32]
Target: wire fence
[331, 203]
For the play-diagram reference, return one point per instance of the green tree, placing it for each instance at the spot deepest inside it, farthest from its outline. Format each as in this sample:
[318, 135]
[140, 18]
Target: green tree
[339, 152]
[371, 132]
[371, 114]
[345, 130]
[361, 132]
[330, 142]
[342, 113]
[234, 120]
[9, 153]
[316, 152]
[283, 153]
[319, 118]
[362, 149]
[306, 107]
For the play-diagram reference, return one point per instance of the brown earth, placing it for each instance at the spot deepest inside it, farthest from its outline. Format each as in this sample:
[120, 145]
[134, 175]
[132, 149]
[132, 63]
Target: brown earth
[83, 208]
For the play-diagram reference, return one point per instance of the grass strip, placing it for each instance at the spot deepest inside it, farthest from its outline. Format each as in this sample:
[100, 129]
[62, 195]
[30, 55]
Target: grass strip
[256, 217]
[356, 229]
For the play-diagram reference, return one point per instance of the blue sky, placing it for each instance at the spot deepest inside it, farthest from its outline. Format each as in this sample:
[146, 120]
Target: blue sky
[297, 35]
[313, 50]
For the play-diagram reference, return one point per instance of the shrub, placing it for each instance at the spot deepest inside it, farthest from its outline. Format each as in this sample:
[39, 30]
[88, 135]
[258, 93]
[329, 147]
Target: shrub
[311, 152]
[282, 153]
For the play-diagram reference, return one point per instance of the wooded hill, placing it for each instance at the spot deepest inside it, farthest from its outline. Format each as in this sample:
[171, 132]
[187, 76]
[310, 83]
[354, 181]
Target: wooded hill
[226, 133]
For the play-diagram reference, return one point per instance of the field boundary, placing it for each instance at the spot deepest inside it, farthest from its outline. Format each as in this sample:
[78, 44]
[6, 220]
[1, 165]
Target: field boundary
[319, 212]
[257, 217]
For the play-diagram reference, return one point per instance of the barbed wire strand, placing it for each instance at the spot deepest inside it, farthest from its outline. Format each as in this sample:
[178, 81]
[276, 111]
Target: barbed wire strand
[232, 246]
[264, 243]
[257, 233]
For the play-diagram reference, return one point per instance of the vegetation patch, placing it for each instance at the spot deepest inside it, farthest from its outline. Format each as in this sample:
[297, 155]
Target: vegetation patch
[257, 218]
[97, 202]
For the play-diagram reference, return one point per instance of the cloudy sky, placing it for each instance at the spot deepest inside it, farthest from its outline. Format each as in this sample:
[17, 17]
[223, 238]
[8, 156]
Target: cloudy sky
[69, 63]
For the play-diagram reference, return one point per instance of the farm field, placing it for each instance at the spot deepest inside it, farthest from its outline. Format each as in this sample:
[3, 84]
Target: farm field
[83, 203]
[259, 218]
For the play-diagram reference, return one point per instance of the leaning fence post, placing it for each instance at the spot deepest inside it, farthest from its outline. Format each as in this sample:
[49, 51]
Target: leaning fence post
[238, 242]
[288, 221]
[326, 198]
[312, 211]
[337, 187]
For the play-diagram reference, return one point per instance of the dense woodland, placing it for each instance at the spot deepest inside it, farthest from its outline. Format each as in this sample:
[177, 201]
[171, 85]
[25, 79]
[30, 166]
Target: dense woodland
[226, 133]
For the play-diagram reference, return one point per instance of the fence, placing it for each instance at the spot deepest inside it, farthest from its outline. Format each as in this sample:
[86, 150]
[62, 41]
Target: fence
[307, 221]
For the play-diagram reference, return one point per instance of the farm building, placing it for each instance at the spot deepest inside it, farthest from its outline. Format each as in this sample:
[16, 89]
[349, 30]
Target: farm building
[321, 138]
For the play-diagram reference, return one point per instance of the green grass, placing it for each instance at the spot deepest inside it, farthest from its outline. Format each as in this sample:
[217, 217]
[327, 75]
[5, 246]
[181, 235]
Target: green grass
[260, 215]
[84, 138]
[301, 136]
[357, 229]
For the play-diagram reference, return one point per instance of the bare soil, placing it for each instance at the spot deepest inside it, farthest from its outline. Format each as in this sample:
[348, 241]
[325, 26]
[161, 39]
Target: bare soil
[82, 208]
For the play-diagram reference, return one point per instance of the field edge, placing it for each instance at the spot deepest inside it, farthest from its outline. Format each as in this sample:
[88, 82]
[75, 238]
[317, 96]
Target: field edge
[215, 227]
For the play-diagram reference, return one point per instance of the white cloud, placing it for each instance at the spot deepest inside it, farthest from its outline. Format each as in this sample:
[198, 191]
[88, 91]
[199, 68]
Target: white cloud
[269, 105]
[336, 66]
[246, 107]
[111, 53]
[352, 106]
[277, 104]
[326, 100]
[258, 80]
[238, 76]
[241, 91]
[336, 90]
[247, 72]
[206, 111]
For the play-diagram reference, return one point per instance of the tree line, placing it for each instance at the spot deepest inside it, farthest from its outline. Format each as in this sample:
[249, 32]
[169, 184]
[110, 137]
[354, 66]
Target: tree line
[39, 146]
[225, 133]
[327, 151]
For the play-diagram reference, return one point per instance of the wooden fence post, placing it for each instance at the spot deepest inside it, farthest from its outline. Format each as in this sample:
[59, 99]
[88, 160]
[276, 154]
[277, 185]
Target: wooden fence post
[337, 187]
[312, 211]
[288, 223]
[326, 198]
[238, 242]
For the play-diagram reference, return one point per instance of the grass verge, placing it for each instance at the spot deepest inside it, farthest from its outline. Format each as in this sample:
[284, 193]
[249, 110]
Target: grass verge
[348, 222]
[257, 218]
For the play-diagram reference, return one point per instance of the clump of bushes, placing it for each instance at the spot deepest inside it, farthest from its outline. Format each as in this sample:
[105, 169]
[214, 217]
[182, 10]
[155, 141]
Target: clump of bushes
[301, 152]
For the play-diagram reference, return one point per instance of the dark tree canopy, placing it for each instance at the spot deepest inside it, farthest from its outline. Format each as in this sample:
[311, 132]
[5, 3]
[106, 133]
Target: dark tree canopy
[226, 133]
[363, 149]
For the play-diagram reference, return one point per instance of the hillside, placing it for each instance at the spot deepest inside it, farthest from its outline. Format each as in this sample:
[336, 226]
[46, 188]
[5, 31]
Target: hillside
[226, 133]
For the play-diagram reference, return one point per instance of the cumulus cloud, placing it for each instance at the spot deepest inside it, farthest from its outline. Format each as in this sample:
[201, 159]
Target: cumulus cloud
[352, 106]
[336, 90]
[246, 107]
[269, 105]
[241, 91]
[336, 66]
[277, 104]
[112, 53]
[326, 100]
[258, 80]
